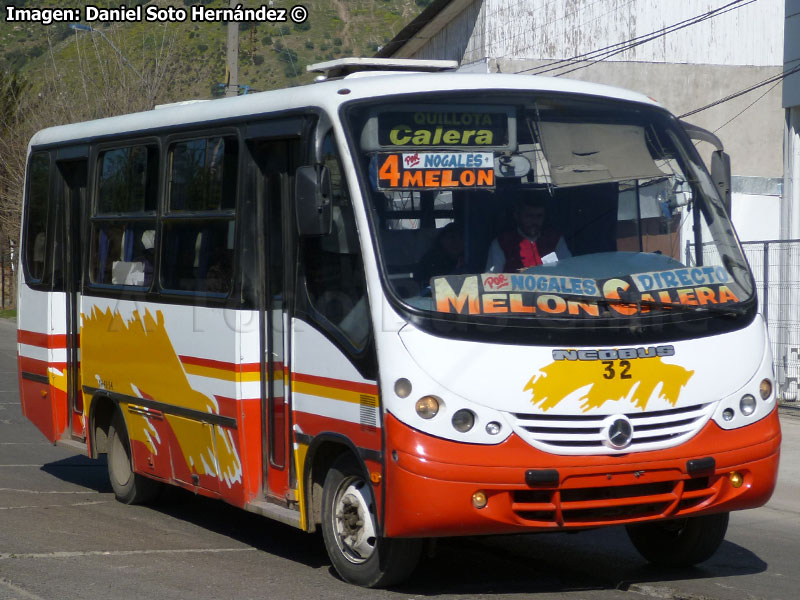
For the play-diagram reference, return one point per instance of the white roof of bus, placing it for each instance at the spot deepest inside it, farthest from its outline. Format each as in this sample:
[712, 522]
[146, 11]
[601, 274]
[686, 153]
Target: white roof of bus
[325, 95]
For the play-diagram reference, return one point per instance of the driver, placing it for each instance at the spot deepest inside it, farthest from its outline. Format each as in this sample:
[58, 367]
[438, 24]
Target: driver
[528, 245]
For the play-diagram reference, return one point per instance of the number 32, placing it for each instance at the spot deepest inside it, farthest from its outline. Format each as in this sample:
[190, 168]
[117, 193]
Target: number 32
[610, 373]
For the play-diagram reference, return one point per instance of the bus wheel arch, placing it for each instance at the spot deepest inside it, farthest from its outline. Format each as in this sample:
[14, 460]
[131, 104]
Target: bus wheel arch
[350, 529]
[680, 542]
[129, 487]
[324, 451]
[102, 411]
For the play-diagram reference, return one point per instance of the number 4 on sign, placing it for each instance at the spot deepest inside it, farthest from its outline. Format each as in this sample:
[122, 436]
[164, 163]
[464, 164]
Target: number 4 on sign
[390, 169]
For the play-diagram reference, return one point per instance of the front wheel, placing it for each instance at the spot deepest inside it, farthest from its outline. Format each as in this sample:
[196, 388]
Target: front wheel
[129, 487]
[679, 543]
[350, 531]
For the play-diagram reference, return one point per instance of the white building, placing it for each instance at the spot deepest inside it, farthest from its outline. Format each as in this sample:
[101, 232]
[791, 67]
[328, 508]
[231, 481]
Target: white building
[686, 54]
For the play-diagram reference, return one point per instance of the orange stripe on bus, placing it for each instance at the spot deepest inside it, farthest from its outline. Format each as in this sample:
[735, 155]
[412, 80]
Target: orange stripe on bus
[225, 366]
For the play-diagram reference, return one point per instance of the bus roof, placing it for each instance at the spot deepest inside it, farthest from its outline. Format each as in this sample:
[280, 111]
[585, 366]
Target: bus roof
[326, 95]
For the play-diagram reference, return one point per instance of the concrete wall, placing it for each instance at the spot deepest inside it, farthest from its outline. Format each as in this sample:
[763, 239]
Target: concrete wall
[750, 34]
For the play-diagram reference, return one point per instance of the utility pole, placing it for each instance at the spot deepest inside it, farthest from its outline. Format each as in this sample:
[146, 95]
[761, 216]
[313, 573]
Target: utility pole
[232, 83]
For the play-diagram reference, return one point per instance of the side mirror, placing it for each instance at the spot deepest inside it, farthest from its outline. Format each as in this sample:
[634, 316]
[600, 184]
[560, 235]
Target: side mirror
[721, 175]
[313, 195]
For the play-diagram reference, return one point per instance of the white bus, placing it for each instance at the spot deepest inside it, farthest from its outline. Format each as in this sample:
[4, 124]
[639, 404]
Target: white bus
[400, 306]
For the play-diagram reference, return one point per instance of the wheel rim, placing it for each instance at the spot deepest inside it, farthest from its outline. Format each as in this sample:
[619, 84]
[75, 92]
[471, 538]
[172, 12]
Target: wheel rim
[353, 526]
[120, 463]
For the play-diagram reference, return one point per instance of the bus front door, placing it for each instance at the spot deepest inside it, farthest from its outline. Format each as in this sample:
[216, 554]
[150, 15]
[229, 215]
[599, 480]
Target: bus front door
[70, 195]
[276, 160]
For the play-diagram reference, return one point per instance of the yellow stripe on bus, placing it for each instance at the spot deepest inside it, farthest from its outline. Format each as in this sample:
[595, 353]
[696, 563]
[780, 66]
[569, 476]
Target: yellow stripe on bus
[225, 374]
[325, 391]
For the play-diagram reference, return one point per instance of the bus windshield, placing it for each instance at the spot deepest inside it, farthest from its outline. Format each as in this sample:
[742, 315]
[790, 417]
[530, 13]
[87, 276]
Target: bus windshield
[541, 208]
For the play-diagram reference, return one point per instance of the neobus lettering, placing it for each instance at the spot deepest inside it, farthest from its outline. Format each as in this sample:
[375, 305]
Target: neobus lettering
[615, 353]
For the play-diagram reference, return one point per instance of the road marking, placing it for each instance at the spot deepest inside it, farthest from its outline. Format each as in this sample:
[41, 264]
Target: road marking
[46, 491]
[8, 555]
[55, 505]
[18, 590]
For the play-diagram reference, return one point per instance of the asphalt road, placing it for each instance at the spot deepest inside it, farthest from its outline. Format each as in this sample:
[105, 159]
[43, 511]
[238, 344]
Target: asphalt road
[63, 536]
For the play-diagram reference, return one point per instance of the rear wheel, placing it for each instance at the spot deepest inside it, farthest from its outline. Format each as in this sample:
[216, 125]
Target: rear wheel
[349, 528]
[129, 487]
[679, 543]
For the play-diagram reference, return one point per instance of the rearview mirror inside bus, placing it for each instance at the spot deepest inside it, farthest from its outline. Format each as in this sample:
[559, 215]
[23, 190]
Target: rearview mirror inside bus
[721, 175]
[313, 199]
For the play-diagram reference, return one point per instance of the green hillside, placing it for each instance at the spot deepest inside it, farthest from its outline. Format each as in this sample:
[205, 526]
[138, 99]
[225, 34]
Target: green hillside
[192, 55]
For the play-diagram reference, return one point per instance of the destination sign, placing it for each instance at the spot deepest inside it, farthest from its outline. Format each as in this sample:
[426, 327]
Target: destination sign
[444, 129]
[435, 171]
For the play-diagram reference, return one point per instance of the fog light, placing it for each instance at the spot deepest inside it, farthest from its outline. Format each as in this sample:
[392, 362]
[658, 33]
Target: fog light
[736, 479]
[463, 420]
[402, 387]
[479, 499]
[765, 389]
[728, 414]
[747, 405]
[493, 428]
[427, 407]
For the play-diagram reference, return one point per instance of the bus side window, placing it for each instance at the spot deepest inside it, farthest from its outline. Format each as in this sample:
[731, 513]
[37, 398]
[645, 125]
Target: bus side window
[197, 249]
[123, 221]
[334, 269]
[36, 219]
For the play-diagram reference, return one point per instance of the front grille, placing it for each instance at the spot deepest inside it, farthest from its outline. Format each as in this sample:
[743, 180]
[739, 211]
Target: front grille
[587, 506]
[585, 434]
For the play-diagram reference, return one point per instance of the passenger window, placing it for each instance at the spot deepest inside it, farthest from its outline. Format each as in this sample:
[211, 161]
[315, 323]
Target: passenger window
[203, 175]
[333, 265]
[198, 249]
[128, 181]
[122, 250]
[36, 222]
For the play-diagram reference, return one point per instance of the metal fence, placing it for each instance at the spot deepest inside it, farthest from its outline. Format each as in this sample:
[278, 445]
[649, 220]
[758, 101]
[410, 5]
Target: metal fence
[776, 268]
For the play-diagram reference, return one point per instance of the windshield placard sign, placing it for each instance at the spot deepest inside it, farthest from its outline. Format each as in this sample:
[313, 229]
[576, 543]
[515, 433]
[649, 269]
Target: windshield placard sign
[435, 171]
[525, 294]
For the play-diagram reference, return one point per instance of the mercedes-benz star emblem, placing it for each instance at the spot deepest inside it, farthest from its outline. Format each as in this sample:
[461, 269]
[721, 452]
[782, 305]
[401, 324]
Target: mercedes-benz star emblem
[619, 433]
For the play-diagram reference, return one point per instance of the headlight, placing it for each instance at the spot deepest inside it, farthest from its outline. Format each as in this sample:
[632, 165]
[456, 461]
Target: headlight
[463, 420]
[747, 405]
[402, 387]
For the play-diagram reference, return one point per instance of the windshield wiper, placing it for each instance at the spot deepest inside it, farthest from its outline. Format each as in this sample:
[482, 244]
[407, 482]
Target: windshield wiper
[731, 311]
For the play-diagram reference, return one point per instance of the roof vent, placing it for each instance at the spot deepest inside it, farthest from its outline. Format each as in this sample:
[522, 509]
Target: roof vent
[336, 69]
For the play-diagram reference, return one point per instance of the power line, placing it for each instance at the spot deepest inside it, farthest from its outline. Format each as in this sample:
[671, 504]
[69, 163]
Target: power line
[747, 107]
[767, 81]
[619, 47]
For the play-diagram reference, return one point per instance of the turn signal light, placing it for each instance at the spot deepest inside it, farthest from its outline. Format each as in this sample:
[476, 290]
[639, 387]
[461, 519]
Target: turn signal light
[427, 407]
[736, 479]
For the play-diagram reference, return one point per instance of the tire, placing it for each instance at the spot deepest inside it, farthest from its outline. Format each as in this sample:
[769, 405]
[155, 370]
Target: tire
[679, 543]
[129, 487]
[349, 529]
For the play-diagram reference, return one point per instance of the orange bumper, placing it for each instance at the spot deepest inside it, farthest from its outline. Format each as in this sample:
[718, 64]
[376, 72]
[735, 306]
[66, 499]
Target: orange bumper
[430, 482]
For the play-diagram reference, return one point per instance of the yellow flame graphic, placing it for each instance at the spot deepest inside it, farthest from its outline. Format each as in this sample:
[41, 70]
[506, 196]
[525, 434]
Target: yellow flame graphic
[136, 358]
[598, 382]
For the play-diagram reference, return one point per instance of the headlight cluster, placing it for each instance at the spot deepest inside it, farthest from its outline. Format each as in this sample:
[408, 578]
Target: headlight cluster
[428, 407]
[748, 404]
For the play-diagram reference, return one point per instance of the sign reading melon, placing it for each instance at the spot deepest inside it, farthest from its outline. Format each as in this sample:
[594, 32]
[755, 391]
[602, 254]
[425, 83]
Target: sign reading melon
[435, 170]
